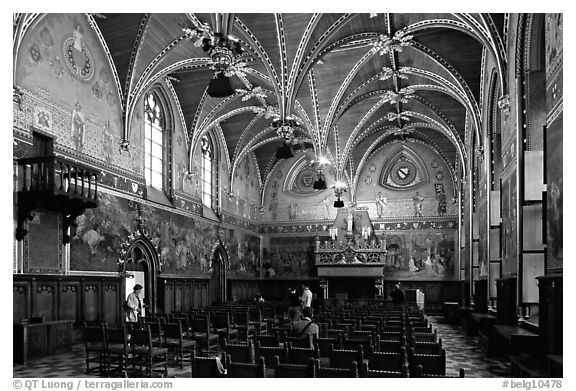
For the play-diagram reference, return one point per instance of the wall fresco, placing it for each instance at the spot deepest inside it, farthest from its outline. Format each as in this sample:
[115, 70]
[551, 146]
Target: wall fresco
[292, 257]
[554, 197]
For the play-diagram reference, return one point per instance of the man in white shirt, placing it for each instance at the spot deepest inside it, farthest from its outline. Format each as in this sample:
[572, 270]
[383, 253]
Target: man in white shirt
[306, 297]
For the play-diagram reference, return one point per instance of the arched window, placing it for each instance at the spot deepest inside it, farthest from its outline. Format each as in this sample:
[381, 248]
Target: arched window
[153, 141]
[207, 171]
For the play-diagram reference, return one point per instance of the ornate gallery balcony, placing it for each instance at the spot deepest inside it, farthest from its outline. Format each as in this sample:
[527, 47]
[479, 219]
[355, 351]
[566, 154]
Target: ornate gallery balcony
[56, 184]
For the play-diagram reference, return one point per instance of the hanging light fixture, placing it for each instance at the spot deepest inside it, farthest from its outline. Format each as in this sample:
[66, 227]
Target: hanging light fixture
[339, 189]
[320, 183]
[224, 51]
[285, 129]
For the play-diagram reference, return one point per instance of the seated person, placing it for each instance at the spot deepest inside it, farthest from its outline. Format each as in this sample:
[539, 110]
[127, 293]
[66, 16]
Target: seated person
[305, 326]
[258, 298]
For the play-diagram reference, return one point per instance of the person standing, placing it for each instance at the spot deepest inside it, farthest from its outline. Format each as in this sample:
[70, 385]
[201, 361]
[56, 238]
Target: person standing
[134, 304]
[397, 295]
[380, 204]
[306, 297]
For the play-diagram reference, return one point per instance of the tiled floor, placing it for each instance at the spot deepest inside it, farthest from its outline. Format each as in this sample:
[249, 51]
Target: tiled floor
[461, 352]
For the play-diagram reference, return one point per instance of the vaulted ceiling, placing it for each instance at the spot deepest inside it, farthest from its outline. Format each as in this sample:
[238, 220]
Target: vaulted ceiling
[338, 74]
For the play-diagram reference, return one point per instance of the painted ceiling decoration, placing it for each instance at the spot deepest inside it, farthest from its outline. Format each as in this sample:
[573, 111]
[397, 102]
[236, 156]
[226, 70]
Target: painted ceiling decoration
[325, 84]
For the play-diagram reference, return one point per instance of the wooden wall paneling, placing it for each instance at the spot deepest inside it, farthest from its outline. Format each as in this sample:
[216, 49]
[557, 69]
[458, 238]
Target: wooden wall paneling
[91, 301]
[20, 301]
[187, 295]
[196, 297]
[44, 299]
[69, 301]
[111, 313]
[178, 291]
[506, 300]
[168, 296]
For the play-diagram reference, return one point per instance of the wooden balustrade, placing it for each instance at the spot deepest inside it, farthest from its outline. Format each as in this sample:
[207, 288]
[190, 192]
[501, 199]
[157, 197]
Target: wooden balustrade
[55, 183]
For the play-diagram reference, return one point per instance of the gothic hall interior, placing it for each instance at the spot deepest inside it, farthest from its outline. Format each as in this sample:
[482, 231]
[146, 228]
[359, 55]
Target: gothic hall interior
[176, 176]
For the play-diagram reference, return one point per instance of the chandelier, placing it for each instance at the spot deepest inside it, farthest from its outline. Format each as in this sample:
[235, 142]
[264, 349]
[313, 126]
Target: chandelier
[285, 129]
[224, 51]
[339, 189]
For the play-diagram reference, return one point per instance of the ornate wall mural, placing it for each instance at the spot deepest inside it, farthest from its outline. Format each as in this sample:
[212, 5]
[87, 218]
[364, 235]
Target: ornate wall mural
[99, 233]
[554, 198]
[420, 256]
[292, 257]
[184, 243]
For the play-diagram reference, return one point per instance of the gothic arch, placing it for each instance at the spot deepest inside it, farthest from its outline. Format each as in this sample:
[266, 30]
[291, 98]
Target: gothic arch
[141, 253]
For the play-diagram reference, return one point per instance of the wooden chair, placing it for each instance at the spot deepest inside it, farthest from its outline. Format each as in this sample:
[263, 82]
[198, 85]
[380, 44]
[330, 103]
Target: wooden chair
[331, 372]
[207, 367]
[174, 341]
[240, 352]
[420, 373]
[342, 358]
[365, 371]
[427, 347]
[117, 350]
[323, 344]
[202, 334]
[305, 342]
[425, 337]
[222, 327]
[154, 359]
[391, 346]
[352, 343]
[294, 370]
[432, 364]
[95, 344]
[241, 322]
[391, 362]
[268, 340]
[242, 369]
[297, 355]
[255, 319]
[269, 353]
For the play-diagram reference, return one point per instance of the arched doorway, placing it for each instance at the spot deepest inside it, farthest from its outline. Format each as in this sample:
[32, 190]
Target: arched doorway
[218, 261]
[141, 267]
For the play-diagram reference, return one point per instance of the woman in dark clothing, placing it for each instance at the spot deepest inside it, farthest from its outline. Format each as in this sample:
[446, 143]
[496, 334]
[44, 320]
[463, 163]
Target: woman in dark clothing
[397, 295]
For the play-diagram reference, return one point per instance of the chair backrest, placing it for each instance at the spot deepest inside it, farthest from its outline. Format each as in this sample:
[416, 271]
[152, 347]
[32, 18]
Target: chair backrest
[342, 358]
[241, 318]
[324, 344]
[367, 372]
[240, 352]
[141, 338]
[95, 335]
[332, 372]
[425, 337]
[353, 343]
[221, 320]
[294, 370]
[306, 341]
[395, 362]
[269, 353]
[207, 367]
[117, 336]
[242, 369]
[420, 373]
[173, 331]
[432, 364]
[268, 340]
[298, 355]
[427, 347]
[200, 324]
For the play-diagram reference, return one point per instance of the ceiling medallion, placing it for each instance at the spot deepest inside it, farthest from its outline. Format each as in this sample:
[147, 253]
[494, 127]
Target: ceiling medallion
[385, 44]
[396, 116]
